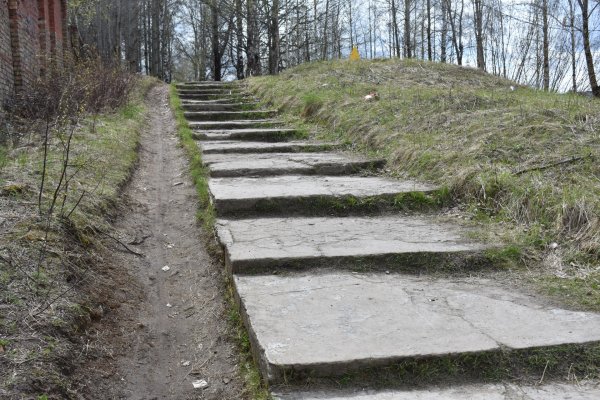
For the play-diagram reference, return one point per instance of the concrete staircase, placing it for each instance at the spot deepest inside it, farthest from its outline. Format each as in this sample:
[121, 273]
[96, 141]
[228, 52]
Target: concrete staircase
[344, 296]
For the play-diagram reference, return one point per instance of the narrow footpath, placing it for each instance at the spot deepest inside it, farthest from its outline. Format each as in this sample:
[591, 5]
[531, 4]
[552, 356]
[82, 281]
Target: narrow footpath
[171, 330]
[346, 297]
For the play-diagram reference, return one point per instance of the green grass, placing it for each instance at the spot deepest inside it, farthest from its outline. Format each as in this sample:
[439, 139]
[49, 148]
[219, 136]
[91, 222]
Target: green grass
[198, 171]
[501, 149]
[3, 157]
[206, 215]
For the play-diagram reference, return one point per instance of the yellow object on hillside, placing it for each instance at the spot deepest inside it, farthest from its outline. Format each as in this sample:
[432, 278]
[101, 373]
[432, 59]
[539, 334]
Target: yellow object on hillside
[354, 55]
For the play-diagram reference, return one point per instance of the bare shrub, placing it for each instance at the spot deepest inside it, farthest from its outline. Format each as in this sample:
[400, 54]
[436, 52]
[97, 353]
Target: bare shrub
[62, 95]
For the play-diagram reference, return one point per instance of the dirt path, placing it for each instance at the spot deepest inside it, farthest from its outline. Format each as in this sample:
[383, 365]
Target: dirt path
[176, 331]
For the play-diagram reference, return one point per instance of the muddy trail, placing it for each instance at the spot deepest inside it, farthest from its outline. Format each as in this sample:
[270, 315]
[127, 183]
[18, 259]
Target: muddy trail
[170, 330]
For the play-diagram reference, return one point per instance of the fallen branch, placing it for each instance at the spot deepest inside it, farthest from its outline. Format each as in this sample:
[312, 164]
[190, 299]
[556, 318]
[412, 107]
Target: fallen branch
[121, 243]
[554, 164]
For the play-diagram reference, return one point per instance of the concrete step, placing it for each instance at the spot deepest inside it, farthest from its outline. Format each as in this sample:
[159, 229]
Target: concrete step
[228, 115]
[213, 96]
[219, 106]
[203, 90]
[388, 242]
[499, 391]
[271, 164]
[207, 85]
[234, 125]
[262, 134]
[220, 100]
[374, 326]
[309, 194]
[238, 147]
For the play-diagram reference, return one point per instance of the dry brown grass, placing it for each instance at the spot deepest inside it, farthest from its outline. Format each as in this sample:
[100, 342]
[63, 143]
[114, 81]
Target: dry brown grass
[516, 160]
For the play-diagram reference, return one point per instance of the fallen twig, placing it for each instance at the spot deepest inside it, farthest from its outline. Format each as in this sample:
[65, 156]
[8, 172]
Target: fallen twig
[121, 243]
[554, 164]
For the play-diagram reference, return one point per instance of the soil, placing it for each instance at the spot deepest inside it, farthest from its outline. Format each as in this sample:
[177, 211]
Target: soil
[170, 327]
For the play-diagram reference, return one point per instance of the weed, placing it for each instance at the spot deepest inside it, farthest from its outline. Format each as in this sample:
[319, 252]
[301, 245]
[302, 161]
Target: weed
[3, 156]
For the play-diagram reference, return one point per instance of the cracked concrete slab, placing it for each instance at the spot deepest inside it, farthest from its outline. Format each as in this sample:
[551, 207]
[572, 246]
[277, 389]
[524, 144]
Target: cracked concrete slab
[262, 134]
[294, 191]
[224, 91]
[228, 115]
[211, 96]
[507, 391]
[235, 146]
[220, 100]
[207, 85]
[252, 244]
[239, 124]
[218, 106]
[271, 164]
[376, 320]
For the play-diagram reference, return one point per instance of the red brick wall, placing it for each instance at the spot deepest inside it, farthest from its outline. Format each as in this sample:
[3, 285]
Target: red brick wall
[25, 41]
[43, 26]
[6, 62]
[32, 32]
[55, 29]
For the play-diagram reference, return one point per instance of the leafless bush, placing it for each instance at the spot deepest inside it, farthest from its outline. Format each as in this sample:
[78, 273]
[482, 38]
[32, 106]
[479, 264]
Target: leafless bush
[62, 95]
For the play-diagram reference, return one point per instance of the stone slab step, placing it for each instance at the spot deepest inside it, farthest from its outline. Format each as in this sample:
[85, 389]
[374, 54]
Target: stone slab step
[239, 124]
[500, 391]
[205, 90]
[271, 164]
[234, 146]
[341, 323]
[228, 115]
[307, 193]
[381, 243]
[207, 85]
[218, 106]
[263, 134]
[220, 100]
[212, 96]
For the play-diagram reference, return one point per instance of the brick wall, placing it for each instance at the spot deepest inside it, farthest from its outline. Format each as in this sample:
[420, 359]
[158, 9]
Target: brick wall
[25, 34]
[44, 38]
[32, 36]
[6, 61]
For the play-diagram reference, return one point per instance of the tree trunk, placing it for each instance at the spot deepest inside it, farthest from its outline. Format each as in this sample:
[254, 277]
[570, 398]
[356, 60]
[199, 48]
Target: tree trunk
[545, 45]
[395, 28]
[155, 39]
[589, 58]
[444, 33]
[214, 40]
[253, 39]
[274, 39]
[573, 48]
[407, 42]
[478, 22]
[429, 52]
[239, 45]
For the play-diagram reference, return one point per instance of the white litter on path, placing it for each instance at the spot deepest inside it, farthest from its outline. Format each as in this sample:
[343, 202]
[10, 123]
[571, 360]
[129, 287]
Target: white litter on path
[200, 384]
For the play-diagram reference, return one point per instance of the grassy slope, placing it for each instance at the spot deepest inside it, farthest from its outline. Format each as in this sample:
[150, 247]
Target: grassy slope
[472, 133]
[51, 295]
